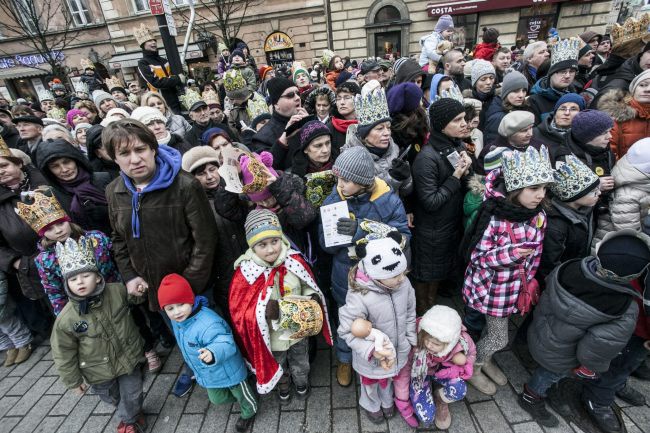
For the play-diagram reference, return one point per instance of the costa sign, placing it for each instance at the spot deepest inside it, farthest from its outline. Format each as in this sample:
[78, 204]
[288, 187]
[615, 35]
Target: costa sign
[461, 7]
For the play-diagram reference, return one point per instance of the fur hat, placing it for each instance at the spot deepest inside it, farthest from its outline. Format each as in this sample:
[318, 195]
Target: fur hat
[356, 165]
[198, 156]
[589, 124]
[444, 324]
[529, 168]
[252, 178]
[573, 180]
[514, 122]
[638, 155]
[383, 258]
[404, 98]
[443, 111]
[445, 22]
[261, 224]
[174, 289]
[481, 67]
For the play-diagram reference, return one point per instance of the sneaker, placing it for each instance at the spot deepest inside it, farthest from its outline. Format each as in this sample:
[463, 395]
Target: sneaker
[344, 373]
[303, 391]
[604, 417]
[284, 391]
[375, 417]
[182, 386]
[388, 412]
[494, 372]
[243, 425]
[631, 395]
[153, 361]
[23, 354]
[10, 359]
[537, 409]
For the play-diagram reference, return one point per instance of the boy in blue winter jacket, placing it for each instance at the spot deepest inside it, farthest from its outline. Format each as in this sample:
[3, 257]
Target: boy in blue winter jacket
[208, 347]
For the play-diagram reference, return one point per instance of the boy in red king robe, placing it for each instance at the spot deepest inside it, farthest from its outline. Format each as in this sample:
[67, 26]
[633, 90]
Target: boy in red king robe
[270, 271]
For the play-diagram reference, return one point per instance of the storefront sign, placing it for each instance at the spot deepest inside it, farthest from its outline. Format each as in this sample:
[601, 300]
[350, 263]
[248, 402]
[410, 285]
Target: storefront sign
[29, 60]
[533, 27]
[461, 7]
[277, 41]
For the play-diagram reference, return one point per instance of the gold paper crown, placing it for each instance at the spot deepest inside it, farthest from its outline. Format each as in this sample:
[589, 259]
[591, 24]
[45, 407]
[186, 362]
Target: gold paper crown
[76, 256]
[114, 82]
[234, 80]
[210, 97]
[190, 98]
[299, 318]
[630, 30]
[142, 34]
[39, 208]
[57, 113]
[87, 64]
[256, 105]
[4, 149]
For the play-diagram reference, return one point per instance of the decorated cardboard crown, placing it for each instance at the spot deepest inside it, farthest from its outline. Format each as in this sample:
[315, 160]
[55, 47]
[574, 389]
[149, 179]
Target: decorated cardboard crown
[299, 318]
[296, 68]
[76, 256]
[565, 49]
[57, 113]
[529, 168]
[142, 34]
[632, 29]
[572, 178]
[45, 95]
[4, 149]
[318, 186]
[190, 98]
[86, 64]
[328, 55]
[39, 208]
[371, 107]
[210, 97]
[233, 80]
[114, 82]
[80, 86]
[256, 105]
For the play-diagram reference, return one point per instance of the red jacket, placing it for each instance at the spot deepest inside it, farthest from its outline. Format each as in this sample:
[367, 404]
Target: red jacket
[642, 322]
[486, 51]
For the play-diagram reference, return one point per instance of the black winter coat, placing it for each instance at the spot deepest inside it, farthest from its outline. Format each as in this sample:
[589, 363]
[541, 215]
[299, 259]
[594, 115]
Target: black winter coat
[601, 161]
[179, 144]
[10, 136]
[269, 134]
[438, 209]
[161, 79]
[193, 137]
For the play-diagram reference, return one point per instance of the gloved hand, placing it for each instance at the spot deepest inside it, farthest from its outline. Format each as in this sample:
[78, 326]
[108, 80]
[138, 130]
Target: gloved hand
[456, 371]
[183, 78]
[401, 170]
[272, 310]
[347, 226]
[583, 372]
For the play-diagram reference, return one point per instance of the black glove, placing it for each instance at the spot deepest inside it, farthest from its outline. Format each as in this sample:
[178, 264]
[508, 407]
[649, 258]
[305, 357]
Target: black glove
[347, 226]
[272, 310]
[401, 170]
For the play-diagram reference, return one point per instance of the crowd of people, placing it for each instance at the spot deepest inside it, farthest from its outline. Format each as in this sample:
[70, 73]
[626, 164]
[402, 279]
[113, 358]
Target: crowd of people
[245, 218]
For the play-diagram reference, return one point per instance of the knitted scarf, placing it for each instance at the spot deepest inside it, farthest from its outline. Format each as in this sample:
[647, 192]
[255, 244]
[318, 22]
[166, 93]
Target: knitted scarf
[82, 191]
[342, 125]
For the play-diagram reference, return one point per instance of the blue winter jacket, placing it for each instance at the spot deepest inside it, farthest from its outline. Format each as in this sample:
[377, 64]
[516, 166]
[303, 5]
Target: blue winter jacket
[543, 97]
[206, 329]
[382, 205]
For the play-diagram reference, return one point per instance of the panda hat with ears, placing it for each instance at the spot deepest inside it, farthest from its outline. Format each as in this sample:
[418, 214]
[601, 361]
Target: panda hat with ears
[382, 258]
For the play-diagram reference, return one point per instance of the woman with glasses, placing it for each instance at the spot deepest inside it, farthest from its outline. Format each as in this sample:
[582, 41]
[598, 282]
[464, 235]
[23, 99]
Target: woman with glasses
[344, 113]
[552, 130]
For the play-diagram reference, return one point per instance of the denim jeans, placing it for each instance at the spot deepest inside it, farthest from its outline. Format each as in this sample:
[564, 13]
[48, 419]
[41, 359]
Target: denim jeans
[602, 390]
[543, 379]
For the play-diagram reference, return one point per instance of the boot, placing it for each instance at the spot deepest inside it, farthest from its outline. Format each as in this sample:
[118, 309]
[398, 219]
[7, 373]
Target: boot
[406, 410]
[432, 293]
[344, 373]
[604, 417]
[643, 372]
[494, 372]
[10, 359]
[481, 382]
[535, 406]
[630, 395]
[443, 416]
[558, 401]
[243, 425]
[23, 354]
[375, 417]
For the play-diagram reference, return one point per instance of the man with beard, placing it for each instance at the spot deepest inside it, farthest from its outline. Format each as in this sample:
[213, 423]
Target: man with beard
[156, 70]
[453, 63]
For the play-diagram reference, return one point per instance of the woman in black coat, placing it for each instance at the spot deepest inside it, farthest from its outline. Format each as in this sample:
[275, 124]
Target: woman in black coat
[82, 191]
[437, 174]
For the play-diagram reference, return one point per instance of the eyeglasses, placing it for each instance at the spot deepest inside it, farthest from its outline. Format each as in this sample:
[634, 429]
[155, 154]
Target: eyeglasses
[344, 98]
[289, 95]
[568, 109]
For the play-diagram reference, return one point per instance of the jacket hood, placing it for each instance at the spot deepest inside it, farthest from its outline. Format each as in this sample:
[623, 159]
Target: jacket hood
[613, 102]
[573, 215]
[49, 151]
[625, 174]
[495, 186]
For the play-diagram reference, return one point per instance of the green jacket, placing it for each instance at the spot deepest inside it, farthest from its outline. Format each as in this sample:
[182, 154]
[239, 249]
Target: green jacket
[98, 346]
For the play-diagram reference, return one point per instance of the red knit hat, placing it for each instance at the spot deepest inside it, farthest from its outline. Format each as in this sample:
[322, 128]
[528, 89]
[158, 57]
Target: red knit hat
[263, 71]
[174, 289]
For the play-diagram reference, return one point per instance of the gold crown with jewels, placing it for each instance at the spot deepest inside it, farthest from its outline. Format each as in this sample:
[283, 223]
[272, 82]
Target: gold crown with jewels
[114, 82]
[630, 30]
[39, 208]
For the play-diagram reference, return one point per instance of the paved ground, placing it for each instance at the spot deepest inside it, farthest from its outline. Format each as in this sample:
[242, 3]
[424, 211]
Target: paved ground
[32, 399]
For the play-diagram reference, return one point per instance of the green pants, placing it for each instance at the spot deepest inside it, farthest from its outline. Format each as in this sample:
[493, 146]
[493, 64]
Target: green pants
[241, 393]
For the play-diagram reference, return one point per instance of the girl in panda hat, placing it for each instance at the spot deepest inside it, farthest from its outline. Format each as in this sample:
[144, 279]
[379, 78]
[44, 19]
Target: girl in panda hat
[380, 293]
[444, 355]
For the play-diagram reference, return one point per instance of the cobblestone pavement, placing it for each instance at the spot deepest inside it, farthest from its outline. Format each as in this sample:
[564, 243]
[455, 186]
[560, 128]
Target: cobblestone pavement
[32, 399]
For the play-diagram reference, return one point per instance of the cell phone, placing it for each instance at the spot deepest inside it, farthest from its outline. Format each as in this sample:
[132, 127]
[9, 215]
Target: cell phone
[454, 158]
[529, 245]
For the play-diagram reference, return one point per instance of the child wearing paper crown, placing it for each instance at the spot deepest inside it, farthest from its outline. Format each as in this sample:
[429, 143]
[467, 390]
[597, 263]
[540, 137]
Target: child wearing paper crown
[208, 347]
[268, 274]
[44, 214]
[445, 356]
[94, 339]
[381, 293]
[505, 245]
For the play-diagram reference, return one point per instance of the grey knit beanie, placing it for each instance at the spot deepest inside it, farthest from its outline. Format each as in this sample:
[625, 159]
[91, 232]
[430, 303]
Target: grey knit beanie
[356, 165]
[481, 67]
[513, 80]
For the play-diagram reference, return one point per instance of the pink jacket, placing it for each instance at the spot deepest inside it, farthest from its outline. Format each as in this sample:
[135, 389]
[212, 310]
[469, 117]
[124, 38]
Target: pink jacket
[443, 368]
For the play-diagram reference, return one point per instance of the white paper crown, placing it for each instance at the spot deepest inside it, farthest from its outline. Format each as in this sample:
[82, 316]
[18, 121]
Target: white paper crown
[80, 86]
[371, 106]
[142, 34]
[566, 49]
[529, 168]
[76, 257]
[45, 95]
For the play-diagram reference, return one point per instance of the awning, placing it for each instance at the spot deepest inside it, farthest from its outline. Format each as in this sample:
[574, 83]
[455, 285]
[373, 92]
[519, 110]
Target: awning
[20, 72]
[130, 60]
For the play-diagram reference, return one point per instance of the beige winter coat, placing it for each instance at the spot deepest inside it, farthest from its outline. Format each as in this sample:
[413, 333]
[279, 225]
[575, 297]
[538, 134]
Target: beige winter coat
[630, 200]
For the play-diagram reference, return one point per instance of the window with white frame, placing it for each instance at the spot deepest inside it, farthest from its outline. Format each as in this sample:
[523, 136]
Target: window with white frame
[79, 11]
[141, 5]
[27, 10]
[181, 2]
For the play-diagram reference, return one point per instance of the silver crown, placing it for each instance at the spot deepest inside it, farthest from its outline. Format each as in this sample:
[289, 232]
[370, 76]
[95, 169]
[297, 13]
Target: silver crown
[45, 95]
[80, 86]
[529, 168]
[566, 49]
[76, 256]
[572, 178]
[371, 106]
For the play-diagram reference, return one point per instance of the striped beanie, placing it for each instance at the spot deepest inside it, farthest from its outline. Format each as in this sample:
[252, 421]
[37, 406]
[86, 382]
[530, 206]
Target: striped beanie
[261, 224]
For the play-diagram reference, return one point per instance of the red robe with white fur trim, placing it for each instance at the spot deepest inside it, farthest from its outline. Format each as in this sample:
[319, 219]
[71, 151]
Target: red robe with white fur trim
[250, 291]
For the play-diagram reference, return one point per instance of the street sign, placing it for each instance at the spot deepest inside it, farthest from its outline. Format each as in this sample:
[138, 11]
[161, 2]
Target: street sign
[171, 25]
[156, 7]
[436, 8]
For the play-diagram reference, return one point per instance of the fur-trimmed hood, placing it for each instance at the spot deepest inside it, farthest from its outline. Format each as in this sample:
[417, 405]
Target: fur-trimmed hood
[615, 102]
[476, 184]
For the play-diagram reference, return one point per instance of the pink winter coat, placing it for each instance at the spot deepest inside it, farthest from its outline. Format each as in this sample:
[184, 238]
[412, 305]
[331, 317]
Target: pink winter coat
[492, 281]
[443, 368]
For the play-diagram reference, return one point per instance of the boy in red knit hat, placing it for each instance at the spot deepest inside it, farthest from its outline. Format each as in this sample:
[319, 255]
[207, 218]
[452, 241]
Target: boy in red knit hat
[208, 347]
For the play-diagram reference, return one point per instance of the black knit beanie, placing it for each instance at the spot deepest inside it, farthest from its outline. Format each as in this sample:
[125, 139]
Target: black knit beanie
[624, 254]
[443, 111]
[276, 87]
[490, 35]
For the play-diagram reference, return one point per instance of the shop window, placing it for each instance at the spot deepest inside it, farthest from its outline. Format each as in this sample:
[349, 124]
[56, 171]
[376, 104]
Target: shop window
[79, 11]
[141, 5]
[535, 22]
[387, 14]
[27, 10]
[387, 28]
[465, 31]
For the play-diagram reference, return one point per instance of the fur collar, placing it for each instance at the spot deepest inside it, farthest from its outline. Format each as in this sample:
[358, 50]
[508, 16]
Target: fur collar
[616, 104]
